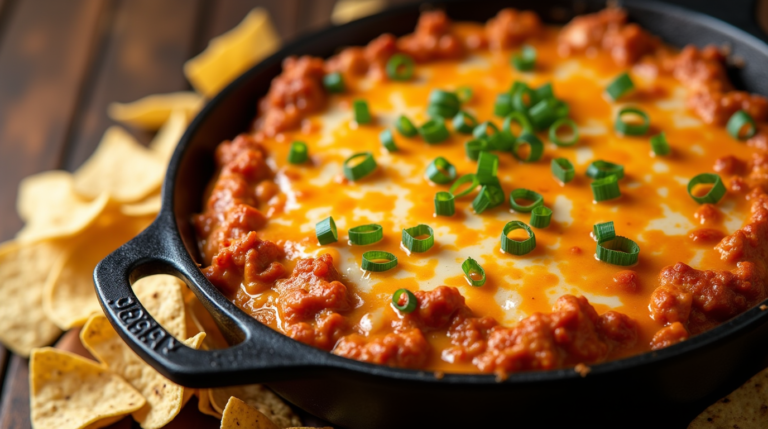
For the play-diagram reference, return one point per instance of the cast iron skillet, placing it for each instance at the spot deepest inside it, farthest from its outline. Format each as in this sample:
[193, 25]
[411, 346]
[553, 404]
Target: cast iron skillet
[663, 388]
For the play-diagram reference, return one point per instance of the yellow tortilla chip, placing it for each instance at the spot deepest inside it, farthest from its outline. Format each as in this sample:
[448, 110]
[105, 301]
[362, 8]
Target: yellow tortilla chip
[70, 298]
[168, 137]
[36, 192]
[204, 403]
[232, 53]
[153, 111]
[23, 271]
[68, 391]
[350, 10]
[148, 206]
[203, 322]
[238, 415]
[121, 167]
[161, 296]
[744, 408]
[164, 398]
[260, 398]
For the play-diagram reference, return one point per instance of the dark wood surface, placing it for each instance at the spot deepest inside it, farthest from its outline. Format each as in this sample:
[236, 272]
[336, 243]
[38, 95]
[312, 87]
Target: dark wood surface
[63, 62]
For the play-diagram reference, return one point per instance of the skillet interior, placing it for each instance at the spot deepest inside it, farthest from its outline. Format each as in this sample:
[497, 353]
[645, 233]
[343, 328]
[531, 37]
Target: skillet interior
[679, 379]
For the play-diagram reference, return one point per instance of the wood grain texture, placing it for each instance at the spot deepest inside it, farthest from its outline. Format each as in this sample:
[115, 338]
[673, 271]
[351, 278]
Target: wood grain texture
[15, 400]
[142, 54]
[314, 14]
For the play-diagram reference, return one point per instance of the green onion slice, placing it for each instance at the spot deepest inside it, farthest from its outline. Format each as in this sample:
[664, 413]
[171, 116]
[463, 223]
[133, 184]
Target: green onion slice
[736, 125]
[467, 178]
[544, 113]
[632, 129]
[715, 193]
[434, 131]
[298, 153]
[554, 130]
[618, 251]
[441, 171]
[541, 216]
[400, 67]
[659, 145]
[515, 247]
[405, 126]
[377, 261]
[418, 245]
[536, 147]
[490, 132]
[620, 86]
[366, 234]
[545, 91]
[464, 122]
[606, 188]
[387, 139]
[490, 196]
[599, 169]
[363, 167]
[411, 301]
[445, 204]
[487, 167]
[474, 147]
[523, 97]
[443, 104]
[520, 119]
[526, 59]
[464, 93]
[563, 170]
[474, 272]
[525, 194]
[603, 231]
[325, 230]
[334, 82]
[362, 115]
[503, 105]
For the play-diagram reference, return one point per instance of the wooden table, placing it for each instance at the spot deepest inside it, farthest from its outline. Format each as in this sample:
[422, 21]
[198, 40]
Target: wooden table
[63, 61]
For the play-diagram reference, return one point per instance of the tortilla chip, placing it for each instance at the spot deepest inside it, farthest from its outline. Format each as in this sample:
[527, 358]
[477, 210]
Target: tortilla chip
[23, 271]
[203, 322]
[153, 111]
[238, 415]
[260, 398]
[148, 206]
[350, 10]
[204, 403]
[36, 191]
[70, 298]
[161, 296]
[164, 398]
[744, 408]
[68, 391]
[232, 53]
[168, 137]
[121, 167]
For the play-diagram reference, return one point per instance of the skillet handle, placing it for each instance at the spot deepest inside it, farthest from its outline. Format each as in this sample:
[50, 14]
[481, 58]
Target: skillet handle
[263, 355]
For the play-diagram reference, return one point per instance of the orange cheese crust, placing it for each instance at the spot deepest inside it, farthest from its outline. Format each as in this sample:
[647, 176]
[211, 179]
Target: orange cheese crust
[557, 306]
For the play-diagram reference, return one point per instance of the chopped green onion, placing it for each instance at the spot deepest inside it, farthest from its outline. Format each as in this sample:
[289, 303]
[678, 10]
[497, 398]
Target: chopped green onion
[620, 86]
[378, 261]
[405, 126]
[472, 269]
[410, 304]
[362, 115]
[464, 122]
[387, 139]
[467, 178]
[603, 231]
[487, 167]
[520, 119]
[298, 153]
[544, 91]
[400, 67]
[474, 147]
[434, 131]
[443, 104]
[441, 171]
[659, 145]
[525, 194]
[526, 59]
[325, 230]
[334, 82]
[536, 147]
[606, 188]
[445, 204]
[488, 131]
[544, 113]
[714, 194]
[523, 98]
[599, 169]
[490, 196]
[737, 123]
[418, 245]
[541, 216]
[631, 129]
[503, 105]
[464, 93]
[515, 247]
[361, 169]
[618, 251]
[366, 234]
[563, 170]
[555, 128]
